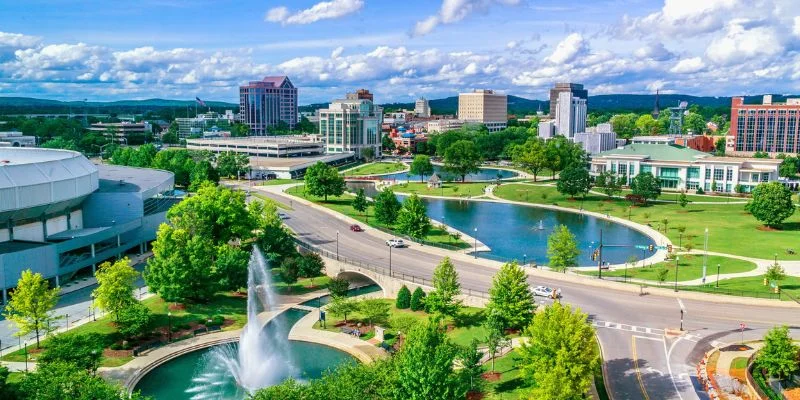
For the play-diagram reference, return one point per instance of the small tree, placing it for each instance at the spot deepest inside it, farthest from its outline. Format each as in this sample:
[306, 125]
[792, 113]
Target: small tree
[661, 275]
[322, 180]
[424, 367]
[368, 153]
[134, 320]
[84, 350]
[510, 297]
[683, 200]
[341, 306]
[311, 265]
[418, 300]
[442, 300]
[403, 298]
[608, 183]
[421, 166]
[470, 360]
[374, 310]
[562, 249]
[412, 219]
[496, 338]
[360, 203]
[775, 273]
[338, 287]
[574, 180]
[115, 286]
[646, 185]
[664, 223]
[290, 270]
[386, 206]
[779, 356]
[771, 203]
[31, 305]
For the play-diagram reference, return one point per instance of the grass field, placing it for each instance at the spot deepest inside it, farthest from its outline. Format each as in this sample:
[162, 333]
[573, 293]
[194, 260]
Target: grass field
[275, 182]
[731, 229]
[376, 168]
[450, 189]
[673, 196]
[690, 267]
[790, 285]
[343, 205]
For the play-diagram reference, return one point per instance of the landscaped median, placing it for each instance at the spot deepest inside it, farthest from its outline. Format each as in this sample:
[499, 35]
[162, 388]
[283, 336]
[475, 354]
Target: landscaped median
[690, 267]
[376, 168]
[731, 229]
[448, 189]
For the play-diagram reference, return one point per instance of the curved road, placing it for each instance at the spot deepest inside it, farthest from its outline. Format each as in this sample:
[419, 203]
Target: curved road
[640, 361]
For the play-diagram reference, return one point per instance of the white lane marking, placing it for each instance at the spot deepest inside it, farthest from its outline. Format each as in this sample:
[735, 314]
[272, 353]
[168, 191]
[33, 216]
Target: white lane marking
[680, 303]
[628, 328]
[669, 366]
[654, 371]
[649, 338]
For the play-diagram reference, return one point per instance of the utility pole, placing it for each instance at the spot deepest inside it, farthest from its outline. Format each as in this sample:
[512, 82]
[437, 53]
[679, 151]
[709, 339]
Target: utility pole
[705, 256]
[600, 257]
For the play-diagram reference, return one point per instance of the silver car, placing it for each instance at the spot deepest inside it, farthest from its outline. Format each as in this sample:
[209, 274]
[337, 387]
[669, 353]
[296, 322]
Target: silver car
[543, 291]
[395, 243]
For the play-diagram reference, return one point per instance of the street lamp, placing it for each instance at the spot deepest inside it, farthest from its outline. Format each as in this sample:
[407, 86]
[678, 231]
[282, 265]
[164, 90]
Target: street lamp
[717, 276]
[524, 260]
[390, 261]
[337, 245]
[169, 327]
[67, 316]
[676, 272]
[26, 356]
[776, 258]
[476, 243]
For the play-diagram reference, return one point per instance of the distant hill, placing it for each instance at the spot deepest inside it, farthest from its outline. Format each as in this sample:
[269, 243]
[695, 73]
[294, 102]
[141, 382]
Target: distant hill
[24, 105]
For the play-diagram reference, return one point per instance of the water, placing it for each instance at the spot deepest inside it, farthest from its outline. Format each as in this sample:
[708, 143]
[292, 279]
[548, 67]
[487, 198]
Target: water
[484, 174]
[262, 357]
[171, 380]
[520, 232]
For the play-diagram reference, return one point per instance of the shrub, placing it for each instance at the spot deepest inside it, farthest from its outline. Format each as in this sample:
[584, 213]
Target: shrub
[700, 191]
[134, 320]
[417, 300]
[403, 298]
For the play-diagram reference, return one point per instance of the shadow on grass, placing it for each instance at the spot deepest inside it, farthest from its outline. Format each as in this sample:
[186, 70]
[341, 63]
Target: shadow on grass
[465, 320]
[790, 226]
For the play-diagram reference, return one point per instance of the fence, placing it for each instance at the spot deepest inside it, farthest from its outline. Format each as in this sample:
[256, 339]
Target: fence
[415, 279]
[706, 288]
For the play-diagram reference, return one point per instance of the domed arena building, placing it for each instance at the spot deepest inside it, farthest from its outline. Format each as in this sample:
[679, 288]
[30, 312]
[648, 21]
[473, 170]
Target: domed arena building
[61, 215]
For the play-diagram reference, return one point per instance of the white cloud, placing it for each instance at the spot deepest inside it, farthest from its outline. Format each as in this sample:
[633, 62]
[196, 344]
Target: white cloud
[569, 49]
[471, 69]
[337, 52]
[688, 66]
[453, 11]
[796, 26]
[322, 10]
[654, 51]
[741, 43]
[18, 40]
[682, 18]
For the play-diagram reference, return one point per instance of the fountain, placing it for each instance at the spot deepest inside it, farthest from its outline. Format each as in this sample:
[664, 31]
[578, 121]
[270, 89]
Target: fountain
[260, 359]
[541, 225]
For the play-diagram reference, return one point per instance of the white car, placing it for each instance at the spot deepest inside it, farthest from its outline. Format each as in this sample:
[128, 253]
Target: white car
[543, 291]
[395, 243]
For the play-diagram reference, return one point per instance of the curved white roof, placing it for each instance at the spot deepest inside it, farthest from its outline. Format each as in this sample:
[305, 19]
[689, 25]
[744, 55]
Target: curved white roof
[32, 177]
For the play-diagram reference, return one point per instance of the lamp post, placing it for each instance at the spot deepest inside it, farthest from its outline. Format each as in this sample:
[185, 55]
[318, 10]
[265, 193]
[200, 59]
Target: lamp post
[776, 258]
[705, 255]
[390, 261]
[169, 327]
[337, 245]
[524, 260]
[67, 316]
[476, 243]
[26, 356]
[717, 276]
[676, 272]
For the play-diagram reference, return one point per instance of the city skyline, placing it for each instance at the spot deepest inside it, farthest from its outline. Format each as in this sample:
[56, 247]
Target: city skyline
[170, 49]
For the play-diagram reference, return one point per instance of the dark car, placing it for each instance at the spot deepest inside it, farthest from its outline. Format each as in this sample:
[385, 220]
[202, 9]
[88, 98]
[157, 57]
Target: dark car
[356, 228]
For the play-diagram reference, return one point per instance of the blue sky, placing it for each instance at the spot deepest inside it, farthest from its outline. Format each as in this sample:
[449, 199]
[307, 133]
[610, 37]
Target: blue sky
[104, 50]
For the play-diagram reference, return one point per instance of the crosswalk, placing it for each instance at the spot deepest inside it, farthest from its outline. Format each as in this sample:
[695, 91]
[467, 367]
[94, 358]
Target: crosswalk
[628, 328]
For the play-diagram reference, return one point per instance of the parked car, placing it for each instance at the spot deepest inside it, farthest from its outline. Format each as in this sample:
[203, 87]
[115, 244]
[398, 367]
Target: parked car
[395, 243]
[282, 216]
[356, 228]
[543, 291]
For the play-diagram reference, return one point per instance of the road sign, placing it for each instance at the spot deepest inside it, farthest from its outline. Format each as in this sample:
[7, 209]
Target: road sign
[661, 247]
[641, 247]
[742, 326]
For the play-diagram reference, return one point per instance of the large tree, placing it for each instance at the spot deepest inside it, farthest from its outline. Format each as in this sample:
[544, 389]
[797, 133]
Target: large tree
[386, 206]
[780, 357]
[646, 185]
[115, 285]
[562, 249]
[85, 350]
[232, 164]
[574, 180]
[510, 297]
[421, 166]
[343, 305]
[425, 367]
[624, 125]
[179, 269]
[62, 380]
[442, 299]
[462, 158]
[559, 356]
[31, 306]
[412, 219]
[771, 203]
[530, 156]
[323, 180]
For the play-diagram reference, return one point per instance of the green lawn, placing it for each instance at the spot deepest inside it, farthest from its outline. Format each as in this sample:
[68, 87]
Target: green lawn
[510, 386]
[731, 229]
[226, 304]
[343, 205]
[673, 196]
[275, 182]
[451, 189]
[272, 201]
[376, 168]
[690, 267]
[755, 284]
[739, 363]
[302, 286]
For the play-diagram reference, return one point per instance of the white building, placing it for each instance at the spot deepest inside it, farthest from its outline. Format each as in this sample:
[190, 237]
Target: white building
[655, 139]
[202, 123]
[681, 168]
[570, 115]
[351, 125]
[16, 139]
[597, 139]
[421, 108]
[547, 129]
[443, 125]
[485, 107]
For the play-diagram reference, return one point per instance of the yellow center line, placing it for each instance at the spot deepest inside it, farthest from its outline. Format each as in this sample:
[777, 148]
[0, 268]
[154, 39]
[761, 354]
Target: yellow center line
[636, 368]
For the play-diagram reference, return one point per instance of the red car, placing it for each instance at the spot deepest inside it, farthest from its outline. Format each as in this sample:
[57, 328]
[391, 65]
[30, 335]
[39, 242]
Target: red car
[356, 228]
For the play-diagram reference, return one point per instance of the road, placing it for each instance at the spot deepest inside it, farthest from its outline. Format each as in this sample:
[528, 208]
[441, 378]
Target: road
[640, 360]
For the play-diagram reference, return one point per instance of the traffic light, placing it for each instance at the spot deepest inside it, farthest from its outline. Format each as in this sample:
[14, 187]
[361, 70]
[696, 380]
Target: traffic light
[669, 248]
[650, 247]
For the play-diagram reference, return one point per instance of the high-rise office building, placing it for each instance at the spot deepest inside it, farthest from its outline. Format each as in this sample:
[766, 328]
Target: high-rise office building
[570, 115]
[361, 94]
[484, 106]
[769, 127]
[576, 89]
[265, 103]
[421, 108]
[351, 125]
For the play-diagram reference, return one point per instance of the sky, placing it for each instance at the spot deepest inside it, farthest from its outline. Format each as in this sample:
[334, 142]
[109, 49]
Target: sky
[400, 50]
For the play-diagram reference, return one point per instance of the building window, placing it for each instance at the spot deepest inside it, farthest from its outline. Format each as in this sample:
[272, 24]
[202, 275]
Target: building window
[718, 173]
[708, 173]
[765, 177]
[693, 173]
[691, 185]
[645, 168]
[729, 174]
